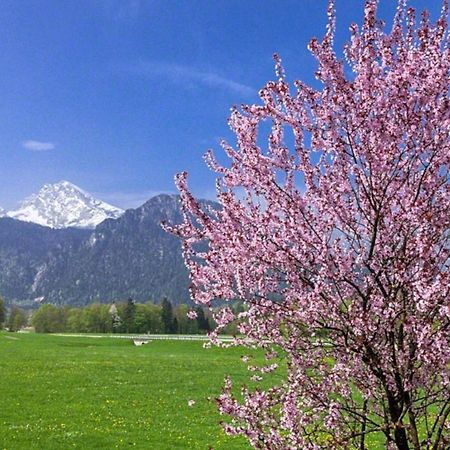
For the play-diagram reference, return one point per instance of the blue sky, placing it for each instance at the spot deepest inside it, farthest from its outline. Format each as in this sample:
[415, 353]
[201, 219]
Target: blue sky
[117, 96]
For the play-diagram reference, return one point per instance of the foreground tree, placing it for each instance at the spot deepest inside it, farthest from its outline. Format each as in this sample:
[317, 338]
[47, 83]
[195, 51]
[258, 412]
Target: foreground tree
[339, 244]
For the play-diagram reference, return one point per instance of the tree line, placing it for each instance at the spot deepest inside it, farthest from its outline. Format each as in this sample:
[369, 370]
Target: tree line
[118, 317]
[121, 317]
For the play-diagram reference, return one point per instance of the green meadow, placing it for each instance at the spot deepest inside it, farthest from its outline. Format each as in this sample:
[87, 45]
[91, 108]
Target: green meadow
[66, 392]
[104, 393]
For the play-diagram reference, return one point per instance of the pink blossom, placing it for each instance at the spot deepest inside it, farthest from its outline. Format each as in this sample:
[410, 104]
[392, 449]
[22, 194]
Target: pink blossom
[192, 314]
[338, 243]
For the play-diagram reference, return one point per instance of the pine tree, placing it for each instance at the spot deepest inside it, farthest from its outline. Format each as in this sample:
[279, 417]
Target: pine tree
[175, 326]
[128, 316]
[167, 316]
[202, 321]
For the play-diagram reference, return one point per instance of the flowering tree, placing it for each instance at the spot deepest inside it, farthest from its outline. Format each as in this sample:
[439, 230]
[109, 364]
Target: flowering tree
[337, 238]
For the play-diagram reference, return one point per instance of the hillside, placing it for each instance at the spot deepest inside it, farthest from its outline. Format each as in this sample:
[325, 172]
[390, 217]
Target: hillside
[130, 256]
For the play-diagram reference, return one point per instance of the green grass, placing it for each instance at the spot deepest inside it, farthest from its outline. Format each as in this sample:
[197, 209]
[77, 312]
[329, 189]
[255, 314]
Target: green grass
[87, 393]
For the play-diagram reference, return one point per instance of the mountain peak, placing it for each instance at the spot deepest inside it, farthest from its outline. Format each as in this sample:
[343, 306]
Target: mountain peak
[62, 205]
[62, 183]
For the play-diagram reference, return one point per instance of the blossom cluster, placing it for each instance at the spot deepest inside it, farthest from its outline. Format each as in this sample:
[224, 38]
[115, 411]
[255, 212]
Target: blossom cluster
[337, 238]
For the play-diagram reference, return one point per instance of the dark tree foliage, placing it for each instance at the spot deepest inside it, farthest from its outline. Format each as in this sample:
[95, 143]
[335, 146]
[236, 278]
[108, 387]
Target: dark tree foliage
[167, 316]
[2, 313]
[129, 313]
[175, 326]
[202, 321]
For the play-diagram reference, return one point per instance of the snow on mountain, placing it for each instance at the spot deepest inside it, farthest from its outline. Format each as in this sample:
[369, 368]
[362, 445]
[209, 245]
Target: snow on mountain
[63, 205]
[2, 212]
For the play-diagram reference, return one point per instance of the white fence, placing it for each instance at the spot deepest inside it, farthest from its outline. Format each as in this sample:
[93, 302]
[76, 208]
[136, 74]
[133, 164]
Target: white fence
[148, 337]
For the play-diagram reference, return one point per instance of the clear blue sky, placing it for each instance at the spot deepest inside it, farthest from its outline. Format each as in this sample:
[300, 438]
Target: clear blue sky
[117, 96]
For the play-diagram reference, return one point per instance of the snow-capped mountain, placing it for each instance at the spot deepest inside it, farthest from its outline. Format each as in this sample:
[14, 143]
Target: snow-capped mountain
[131, 256]
[62, 205]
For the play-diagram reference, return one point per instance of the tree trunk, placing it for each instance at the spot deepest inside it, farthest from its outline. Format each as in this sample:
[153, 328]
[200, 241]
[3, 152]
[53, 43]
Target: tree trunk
[400, 437]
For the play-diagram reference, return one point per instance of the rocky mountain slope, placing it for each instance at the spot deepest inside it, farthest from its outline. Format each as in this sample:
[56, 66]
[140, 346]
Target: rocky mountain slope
[25, 248]
[130, 256]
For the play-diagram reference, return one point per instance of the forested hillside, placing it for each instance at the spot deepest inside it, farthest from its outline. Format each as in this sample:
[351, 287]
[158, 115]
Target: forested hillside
[121, 258]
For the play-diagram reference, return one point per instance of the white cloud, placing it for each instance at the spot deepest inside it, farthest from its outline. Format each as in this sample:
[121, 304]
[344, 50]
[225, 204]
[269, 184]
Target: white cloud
[38, 146]
[177, 73]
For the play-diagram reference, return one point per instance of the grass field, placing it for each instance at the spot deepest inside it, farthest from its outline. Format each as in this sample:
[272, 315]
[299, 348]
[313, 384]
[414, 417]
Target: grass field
[87, 393]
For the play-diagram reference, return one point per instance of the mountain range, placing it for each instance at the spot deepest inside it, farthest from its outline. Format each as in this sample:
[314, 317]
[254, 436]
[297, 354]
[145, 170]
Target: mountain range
[122, 257]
